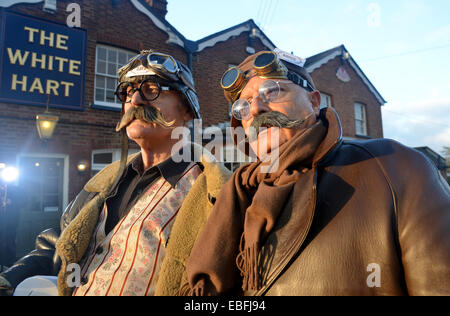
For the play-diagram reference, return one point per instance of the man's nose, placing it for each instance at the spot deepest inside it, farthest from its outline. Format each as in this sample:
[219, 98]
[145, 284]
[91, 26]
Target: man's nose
[136, 99]
[258, 107]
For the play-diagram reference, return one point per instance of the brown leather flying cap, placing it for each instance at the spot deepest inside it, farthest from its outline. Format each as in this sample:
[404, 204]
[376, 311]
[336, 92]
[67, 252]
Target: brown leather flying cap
[295, 73]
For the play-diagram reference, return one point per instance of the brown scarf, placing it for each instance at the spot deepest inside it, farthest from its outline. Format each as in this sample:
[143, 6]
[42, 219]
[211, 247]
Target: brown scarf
[244, 214]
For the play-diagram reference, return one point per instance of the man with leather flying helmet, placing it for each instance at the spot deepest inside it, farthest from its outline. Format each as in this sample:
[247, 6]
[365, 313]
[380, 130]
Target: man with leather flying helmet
[134, 222]
[332, 217]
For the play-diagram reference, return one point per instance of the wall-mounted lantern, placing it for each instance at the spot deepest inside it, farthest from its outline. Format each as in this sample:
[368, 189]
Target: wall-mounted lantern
[82, 166]
[46, 123]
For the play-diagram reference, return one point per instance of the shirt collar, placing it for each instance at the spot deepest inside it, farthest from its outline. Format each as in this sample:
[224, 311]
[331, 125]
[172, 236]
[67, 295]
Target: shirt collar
[170, 170]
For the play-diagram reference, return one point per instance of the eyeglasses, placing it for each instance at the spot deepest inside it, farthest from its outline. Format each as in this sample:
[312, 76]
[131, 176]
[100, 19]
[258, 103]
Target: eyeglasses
[149, 90]
[266, 65]
[269, 92]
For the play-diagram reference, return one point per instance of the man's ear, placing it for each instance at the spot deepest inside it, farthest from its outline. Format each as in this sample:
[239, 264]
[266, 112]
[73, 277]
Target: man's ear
[315, 99]
[188, 114]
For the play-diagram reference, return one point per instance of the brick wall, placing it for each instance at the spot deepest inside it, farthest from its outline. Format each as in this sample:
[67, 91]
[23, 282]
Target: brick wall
[344, 95]
[80, 132]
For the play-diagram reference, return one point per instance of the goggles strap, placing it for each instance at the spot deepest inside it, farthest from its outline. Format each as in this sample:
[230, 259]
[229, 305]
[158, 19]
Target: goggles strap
[298, 80]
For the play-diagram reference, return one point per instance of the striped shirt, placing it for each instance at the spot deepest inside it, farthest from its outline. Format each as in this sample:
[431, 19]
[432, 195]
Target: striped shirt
[126, 261]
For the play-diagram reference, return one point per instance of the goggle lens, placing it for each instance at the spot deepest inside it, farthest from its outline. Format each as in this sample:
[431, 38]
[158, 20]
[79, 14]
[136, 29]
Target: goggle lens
[164, 61]
[229, 78]
[264, 60]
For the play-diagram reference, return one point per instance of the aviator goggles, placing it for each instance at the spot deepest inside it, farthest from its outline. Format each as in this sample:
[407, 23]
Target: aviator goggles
[155, 64]
[268, 66]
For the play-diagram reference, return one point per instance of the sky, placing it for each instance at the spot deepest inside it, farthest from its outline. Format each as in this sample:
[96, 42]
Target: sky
[402, 46]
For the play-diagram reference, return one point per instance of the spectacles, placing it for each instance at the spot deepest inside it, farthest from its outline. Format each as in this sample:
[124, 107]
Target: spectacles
[149, 90]
[269, 92]
[266, 65]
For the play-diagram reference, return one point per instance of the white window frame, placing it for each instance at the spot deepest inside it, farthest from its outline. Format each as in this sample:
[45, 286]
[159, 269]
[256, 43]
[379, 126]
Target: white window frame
[113, 105]
[362, 120]
[325, 100]
[115, 157]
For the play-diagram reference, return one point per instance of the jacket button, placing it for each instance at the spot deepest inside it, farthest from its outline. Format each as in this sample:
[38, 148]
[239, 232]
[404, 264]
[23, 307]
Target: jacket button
[99, 250]
[84, 280]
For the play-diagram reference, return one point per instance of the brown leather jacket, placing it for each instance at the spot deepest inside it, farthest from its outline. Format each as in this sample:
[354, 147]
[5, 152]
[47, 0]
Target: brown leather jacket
[375, 222]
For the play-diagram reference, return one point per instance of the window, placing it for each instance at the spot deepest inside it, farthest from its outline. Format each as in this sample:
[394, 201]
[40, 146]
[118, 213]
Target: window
[360, 119]
[108, 61]
[325, 100]
[103, 157]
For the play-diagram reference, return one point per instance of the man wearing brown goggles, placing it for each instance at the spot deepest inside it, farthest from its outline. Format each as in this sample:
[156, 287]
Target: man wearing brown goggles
[334, 217]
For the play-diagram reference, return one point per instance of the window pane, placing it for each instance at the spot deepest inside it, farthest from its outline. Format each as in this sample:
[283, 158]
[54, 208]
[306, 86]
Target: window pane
[99, 82]
[104, 158]
[359, 129]
[122, 58]
[111, 83]
[110, 96]
[101, 53]
[100, 95]
[112, 69]
[358, 112]
[101, 67]
[112, 56]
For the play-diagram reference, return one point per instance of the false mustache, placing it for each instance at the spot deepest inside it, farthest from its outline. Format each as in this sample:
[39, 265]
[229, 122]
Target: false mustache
[274, 119]
[147, 114]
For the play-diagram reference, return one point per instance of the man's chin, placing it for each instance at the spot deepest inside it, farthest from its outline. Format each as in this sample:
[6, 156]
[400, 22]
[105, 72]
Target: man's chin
[268, 141]
[138, 129]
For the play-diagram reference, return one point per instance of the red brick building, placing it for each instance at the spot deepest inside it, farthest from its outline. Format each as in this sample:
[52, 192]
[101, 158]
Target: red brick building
[116, 30]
